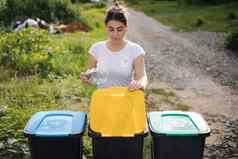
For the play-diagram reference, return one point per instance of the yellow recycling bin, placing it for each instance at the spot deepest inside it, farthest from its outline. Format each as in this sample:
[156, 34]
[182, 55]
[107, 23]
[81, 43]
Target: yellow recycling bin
[117, 112]
[117, 123]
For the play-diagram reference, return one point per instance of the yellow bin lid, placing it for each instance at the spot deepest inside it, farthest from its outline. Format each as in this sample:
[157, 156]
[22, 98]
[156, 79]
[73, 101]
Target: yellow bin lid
[116, 111]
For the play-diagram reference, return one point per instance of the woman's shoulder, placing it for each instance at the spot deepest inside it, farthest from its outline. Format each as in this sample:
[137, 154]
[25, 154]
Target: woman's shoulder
[134, 44]
[96, 48]
[137, 48]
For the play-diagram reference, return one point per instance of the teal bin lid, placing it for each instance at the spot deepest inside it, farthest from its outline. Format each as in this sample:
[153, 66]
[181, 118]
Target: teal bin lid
[56, 124]
[177, 123]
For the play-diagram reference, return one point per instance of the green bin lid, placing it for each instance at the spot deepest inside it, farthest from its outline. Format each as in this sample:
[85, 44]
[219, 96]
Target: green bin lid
[177, 123]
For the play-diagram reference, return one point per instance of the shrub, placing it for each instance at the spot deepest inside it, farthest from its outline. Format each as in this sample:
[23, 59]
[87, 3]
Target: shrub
[232, 40]
[199, 22]
[24, 51]
[183, 2]
[2, 8]
[232, 16]
[31, 52]
[100, 5]
[49, 10]
[78, 1]
[214, 2]
[203, 2]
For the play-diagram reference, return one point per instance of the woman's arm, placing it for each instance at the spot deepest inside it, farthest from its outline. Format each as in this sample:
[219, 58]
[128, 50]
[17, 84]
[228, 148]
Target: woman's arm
[140, 78]
[92, 63]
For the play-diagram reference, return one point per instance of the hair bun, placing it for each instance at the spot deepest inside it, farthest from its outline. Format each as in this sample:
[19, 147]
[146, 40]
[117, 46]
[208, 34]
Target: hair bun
[116, 12]
[116, 3]
[117, 7]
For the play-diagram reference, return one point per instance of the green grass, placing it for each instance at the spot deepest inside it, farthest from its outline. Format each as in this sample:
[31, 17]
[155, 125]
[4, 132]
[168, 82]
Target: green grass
[185, 18]
[21, 97]
[166, 96]
[147, 147]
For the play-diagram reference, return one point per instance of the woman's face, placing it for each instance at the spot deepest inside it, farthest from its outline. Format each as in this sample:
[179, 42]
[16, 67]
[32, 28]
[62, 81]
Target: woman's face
[116, 30]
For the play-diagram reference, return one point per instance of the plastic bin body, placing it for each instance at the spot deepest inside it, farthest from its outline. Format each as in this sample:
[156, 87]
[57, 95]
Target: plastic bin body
[56, 148]
[117, 123]
[177, 134]
[168, 147]
[118, 147]
[56, 134]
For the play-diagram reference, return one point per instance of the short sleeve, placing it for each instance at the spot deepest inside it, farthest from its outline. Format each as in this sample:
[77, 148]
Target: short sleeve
[93, 50]
[138, 50]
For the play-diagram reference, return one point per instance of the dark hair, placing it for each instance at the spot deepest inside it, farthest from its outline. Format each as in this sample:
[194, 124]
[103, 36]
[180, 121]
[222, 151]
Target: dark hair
[116, 12]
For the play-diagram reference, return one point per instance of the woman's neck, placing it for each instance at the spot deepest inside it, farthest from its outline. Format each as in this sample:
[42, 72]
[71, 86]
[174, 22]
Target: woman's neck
[115, 46]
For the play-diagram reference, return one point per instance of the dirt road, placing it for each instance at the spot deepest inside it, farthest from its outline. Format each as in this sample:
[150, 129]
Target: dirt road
[200, 72]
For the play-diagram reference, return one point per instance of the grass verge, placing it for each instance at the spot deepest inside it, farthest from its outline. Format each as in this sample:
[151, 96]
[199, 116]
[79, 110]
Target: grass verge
[218, 18]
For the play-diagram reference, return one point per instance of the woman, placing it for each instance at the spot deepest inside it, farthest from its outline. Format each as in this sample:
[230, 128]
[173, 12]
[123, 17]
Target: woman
[117, 61]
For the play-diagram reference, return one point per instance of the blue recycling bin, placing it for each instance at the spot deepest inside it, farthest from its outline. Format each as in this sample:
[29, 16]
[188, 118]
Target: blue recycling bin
[56, 134]
[177, 134]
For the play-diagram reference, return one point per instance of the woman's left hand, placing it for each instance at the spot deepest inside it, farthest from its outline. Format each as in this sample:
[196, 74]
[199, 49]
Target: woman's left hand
[134, 85]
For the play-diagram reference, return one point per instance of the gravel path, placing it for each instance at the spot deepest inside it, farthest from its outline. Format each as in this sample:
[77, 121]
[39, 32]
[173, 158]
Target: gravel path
[199, 69]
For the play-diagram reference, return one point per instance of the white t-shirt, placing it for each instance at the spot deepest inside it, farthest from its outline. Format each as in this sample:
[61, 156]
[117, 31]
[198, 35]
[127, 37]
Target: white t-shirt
[115, 68]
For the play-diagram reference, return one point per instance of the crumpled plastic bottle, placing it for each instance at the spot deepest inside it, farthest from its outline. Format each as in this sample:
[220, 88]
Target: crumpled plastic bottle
[96, 76]
[91, 73]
